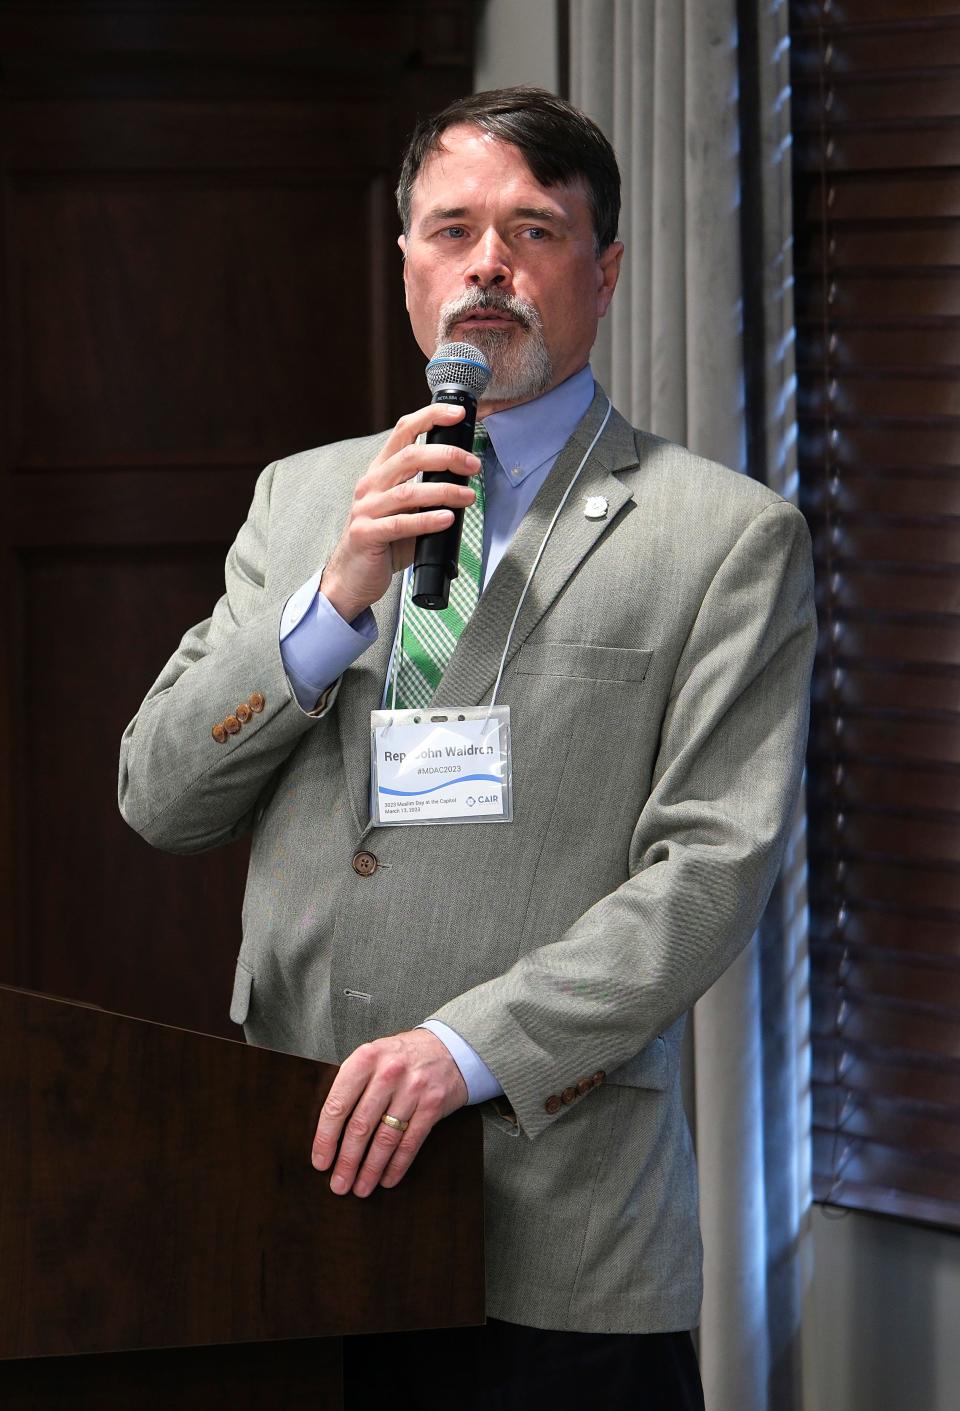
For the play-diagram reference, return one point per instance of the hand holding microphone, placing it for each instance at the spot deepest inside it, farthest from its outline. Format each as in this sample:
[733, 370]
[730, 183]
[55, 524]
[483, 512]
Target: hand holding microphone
[457, 375]
[391, 508]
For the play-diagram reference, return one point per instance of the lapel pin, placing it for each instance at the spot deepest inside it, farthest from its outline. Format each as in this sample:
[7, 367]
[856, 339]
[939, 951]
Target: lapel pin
[596, 507]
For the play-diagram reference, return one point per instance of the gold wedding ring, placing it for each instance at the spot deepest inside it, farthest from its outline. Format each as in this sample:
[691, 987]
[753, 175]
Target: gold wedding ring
[397, 1123]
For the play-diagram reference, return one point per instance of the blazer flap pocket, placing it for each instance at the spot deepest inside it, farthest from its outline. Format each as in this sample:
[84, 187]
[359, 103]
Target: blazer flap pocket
[242, 984]
[647, 1069]
[582, 659]
[655, 1066]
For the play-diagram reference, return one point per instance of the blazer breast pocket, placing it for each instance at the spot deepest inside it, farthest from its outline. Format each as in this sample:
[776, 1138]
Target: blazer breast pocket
[584, 660]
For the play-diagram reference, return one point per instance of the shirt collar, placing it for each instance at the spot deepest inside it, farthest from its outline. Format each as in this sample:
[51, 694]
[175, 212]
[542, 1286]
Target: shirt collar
[527, 436]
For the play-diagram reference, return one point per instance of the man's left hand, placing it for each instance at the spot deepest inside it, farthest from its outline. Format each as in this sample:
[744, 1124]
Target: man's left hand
[410, 1076]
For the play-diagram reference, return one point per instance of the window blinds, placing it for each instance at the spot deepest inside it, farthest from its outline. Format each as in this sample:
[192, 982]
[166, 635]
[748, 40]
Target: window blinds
[876, 129]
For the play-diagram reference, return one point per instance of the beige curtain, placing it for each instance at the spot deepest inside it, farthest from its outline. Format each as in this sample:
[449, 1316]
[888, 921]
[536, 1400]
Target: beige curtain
[662, 84]
[661, 77]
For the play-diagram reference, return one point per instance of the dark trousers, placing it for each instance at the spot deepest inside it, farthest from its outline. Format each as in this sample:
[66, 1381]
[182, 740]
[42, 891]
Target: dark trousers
[506, 1367]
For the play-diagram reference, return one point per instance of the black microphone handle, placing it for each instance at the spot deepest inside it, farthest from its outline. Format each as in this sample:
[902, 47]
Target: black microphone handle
[436, 556]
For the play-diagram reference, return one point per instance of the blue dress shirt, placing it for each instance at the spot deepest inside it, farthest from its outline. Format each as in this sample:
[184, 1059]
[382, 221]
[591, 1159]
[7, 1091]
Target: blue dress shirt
[317, 645]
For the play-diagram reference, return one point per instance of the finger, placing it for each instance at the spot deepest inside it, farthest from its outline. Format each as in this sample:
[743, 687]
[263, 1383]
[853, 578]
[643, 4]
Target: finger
[398, 527]
[342, 1098]
[401, 1157]
[410, 460]
[362, 1126]
[412, 495]
[409, 427]
[383, 1149]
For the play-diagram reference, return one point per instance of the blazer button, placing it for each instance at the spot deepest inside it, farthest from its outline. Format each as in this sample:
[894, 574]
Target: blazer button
[365, 864]
[231, 725]
[598, 1078]
[552, 1104]
[256, 701]
[567, 1096]
[584, 1086]
[243, 712]
[219, 732]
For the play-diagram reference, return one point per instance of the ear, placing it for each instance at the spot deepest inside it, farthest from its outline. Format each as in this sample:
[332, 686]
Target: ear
[402, 242]
[608, 272]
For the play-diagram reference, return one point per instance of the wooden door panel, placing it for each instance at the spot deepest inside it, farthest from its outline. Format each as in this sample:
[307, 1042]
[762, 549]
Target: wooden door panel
[111, 921]
[115, 371]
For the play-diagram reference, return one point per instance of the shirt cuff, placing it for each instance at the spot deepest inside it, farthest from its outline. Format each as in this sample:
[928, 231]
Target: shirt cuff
[316, 644]
[481, 1084]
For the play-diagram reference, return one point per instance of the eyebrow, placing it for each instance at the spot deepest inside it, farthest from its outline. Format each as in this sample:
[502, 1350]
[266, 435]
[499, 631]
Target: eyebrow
[540, 213]
[543, 213]
[443, 213]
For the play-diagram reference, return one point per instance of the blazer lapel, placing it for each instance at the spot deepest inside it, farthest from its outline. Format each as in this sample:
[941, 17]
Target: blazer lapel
[361, 691]
[472, 669]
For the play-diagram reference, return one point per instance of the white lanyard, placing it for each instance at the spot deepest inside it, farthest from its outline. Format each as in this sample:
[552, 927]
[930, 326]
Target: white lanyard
[394, 666]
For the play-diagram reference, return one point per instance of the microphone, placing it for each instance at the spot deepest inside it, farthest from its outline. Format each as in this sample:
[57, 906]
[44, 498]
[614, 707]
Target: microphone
[457, 373]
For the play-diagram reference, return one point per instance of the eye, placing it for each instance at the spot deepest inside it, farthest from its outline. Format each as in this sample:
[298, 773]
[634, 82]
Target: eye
[453, 232]
[537, 232]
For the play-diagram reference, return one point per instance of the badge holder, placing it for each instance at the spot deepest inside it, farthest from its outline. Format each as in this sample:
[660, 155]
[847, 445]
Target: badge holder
[441, 766]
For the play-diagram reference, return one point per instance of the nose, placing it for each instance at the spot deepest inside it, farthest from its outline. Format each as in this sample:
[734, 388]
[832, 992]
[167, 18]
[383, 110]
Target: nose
[489, 265]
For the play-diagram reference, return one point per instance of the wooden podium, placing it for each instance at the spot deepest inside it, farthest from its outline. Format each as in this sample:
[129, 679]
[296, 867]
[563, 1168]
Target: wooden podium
[164, 1240]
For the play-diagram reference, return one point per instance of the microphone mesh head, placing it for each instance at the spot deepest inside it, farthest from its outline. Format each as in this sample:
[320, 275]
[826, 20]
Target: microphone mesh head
[461, 364]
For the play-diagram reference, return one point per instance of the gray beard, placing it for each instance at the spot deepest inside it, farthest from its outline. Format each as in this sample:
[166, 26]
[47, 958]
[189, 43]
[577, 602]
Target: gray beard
[519, 360]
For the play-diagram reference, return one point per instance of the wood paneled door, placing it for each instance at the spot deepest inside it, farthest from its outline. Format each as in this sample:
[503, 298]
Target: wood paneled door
[199, 274]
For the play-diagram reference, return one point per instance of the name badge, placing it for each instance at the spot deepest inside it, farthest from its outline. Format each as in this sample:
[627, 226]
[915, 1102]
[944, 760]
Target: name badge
[443, 765]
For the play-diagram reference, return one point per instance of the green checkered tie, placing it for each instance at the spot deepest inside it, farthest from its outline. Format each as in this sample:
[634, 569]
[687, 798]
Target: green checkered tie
[429, 637]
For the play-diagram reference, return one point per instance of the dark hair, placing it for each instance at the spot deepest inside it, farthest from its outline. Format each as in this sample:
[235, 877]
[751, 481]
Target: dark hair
[558, 142]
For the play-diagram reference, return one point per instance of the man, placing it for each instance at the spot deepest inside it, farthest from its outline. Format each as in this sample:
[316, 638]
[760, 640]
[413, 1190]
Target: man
[657, 679]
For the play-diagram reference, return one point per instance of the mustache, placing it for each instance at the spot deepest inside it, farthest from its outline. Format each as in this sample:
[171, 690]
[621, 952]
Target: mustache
[472, 300]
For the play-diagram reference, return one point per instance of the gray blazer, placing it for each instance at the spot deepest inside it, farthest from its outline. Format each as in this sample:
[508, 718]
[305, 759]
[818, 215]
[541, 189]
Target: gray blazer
[658, 685]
